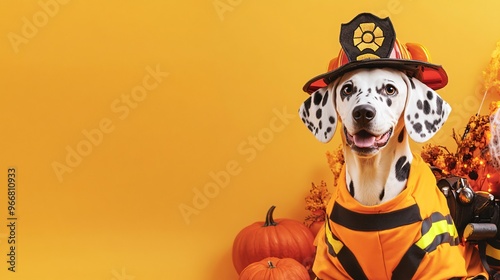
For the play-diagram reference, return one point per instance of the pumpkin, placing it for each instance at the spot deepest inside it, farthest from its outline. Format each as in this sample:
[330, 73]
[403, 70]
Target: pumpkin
[281, 238]
[315, 227]
[276, 269]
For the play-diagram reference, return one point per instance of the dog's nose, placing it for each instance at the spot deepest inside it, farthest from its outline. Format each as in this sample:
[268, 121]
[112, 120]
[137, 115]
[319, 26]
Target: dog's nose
[363, 114]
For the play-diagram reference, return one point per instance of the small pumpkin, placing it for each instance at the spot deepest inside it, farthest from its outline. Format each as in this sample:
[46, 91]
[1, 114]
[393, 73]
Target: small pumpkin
[281, 238]
[315, 227]
[276, 269]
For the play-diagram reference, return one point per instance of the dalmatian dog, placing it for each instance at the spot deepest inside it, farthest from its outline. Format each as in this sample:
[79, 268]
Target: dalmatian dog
[386, 218]
[379, 109]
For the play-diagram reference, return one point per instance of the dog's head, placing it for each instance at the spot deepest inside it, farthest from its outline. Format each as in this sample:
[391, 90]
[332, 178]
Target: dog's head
[372, 105]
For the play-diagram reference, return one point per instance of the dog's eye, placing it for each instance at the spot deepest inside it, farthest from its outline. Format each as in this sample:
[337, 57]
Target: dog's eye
[347, 89]
[390, 89]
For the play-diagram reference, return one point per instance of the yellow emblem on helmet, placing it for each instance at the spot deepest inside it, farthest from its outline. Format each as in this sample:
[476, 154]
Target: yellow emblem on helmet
[368, 36]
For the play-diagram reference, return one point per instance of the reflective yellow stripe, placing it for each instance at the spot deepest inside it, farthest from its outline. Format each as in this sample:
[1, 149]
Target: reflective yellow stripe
[346, 258]
[336, 244]
[492, 252]
[437, 228]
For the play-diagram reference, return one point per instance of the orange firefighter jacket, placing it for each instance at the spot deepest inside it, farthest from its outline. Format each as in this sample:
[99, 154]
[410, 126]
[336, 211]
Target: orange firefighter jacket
[409, 237]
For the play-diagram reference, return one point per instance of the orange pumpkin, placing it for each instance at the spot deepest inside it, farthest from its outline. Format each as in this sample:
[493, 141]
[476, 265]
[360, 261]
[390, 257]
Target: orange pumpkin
[283, 238]
[316, 226]
[276, 269]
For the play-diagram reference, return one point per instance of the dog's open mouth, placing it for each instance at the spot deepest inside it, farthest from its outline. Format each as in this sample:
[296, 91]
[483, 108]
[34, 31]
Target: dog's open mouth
[367, 141]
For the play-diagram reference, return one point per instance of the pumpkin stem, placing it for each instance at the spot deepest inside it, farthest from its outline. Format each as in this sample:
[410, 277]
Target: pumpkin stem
[270, 264]
[269, 218]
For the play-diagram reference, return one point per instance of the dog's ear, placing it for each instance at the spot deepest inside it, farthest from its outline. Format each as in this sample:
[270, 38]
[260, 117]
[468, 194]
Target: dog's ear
[319, 115]
[425, 111]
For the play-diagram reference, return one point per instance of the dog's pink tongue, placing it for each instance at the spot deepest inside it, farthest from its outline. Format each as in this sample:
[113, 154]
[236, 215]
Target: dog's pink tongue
[364, 141]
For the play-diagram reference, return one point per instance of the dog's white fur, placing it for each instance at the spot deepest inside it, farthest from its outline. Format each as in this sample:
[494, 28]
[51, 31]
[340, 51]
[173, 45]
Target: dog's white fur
[373, 173]
[377, 170]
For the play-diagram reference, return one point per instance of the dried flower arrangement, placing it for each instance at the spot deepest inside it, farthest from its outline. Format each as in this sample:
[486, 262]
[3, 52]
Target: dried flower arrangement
[475, 157]
[471, 159]
[319, 195]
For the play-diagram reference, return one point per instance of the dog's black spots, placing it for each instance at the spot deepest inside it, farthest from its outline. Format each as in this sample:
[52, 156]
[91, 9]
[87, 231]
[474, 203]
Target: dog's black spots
[325, 100]
[402, 169]
[320, 124]
[331, 119]
[408, 117]
[439, 106]
[307, 105]
[422, 135]
[389, 102]
[417, 127]
[380, 90]
[369, 90]
[304, 113]
[317, 98]
[437, 122]
[381, 196]
[432, 127]
[430, 95]
[401, 136]
[307, 122]
[328, 129]
[411, 82]
[416, 115]
[419, 104]
[427, 107]
[318, 113]
[351, 189]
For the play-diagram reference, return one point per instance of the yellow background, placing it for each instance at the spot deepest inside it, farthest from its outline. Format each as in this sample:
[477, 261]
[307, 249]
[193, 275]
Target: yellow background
[227, 106]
